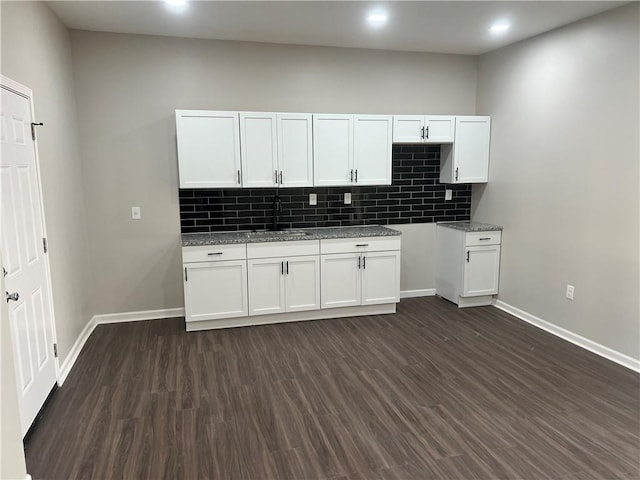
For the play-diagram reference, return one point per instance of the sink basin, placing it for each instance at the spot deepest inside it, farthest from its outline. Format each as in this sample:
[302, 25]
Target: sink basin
[279, 233]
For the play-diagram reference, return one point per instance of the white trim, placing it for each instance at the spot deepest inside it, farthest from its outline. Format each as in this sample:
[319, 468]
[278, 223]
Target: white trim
[423, 292]
[598, 349]
[75, 350]
[25, 91]
[138, 316]
[28, 477]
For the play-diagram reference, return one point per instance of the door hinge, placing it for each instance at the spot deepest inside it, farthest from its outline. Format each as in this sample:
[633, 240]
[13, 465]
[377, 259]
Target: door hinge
[33, 129]
[55, 350]
[44, 245]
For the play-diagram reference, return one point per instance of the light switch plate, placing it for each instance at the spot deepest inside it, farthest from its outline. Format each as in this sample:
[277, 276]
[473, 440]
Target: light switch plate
[313, 199]
[570, 291]
[448, 194]
[135, 213]
[347, 198]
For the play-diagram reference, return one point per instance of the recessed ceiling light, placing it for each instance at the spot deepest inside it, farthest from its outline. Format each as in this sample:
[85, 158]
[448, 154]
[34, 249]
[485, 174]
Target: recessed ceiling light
[377, 19]
[499, 27]
[176, 3]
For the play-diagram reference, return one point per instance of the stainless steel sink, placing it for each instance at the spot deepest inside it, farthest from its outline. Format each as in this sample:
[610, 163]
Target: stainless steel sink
[279, 233]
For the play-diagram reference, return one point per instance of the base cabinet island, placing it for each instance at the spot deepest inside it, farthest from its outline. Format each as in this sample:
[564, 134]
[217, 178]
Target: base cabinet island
[252, 278]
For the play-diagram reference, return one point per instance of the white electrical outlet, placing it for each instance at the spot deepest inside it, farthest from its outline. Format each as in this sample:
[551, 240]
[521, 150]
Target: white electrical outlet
[570, 291]
[313, 199]
[448, 194]
[347, 198]
[135, 213]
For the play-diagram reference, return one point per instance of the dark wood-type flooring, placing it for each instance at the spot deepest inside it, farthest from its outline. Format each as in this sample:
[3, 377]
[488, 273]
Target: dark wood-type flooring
[430, 392]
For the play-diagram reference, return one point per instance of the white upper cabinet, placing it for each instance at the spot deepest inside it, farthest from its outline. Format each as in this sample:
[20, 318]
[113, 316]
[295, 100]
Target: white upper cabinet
[259, 149]
[372, 149]
[467, 160]
[208, 149]
[295, 150]
[332, 149]
[352, 149]
[423, 128]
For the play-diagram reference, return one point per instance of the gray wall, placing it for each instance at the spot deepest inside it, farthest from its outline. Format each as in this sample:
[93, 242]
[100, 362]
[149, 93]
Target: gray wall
[36, 52]
[127, 89]
[564, 174]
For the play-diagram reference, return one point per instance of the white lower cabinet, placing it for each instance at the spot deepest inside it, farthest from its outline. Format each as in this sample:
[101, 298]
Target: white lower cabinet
[468, 265]
[215, 290]
[302, 283]
[266, 286]
[361, 276]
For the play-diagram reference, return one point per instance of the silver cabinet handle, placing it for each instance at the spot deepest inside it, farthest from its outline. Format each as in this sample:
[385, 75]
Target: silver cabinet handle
[356, 175]
[362, 244]
[467, 256]
[352, 174]
[238, 177]
[280, 177]
[485, 238]
[186, 275]
[456, 174]
[276, 174]
[364, 262]
[15, 296]
[359, 262]
[214, 253]
[422, 136]
[427, 132]
[287, 267]
[282, 268]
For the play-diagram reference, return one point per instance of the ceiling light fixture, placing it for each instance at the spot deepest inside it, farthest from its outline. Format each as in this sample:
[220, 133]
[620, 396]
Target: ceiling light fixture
[499, 27]
[377, 19]
[176, 3]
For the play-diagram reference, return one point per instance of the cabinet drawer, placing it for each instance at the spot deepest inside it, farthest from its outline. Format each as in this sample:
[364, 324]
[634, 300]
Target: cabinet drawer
[283, 249]
[214, 253]
[362, 244]
[483, 238]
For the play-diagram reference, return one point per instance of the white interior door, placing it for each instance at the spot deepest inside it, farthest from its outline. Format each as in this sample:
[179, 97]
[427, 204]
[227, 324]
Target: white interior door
[30, 314]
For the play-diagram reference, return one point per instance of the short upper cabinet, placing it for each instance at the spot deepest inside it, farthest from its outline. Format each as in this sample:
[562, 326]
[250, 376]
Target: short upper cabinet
[215, 290]
[467, 160]
[372, 143]
[361, 272]
[208, 149]
[423, 128]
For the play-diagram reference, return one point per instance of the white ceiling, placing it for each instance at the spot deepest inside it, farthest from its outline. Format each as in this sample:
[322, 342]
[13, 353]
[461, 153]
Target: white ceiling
[445, 27]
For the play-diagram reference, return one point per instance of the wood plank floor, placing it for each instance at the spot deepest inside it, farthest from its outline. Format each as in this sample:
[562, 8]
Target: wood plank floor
[430, 392]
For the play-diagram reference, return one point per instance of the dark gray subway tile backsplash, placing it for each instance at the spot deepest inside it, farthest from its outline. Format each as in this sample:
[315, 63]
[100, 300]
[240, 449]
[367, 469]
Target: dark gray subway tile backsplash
[415, 196]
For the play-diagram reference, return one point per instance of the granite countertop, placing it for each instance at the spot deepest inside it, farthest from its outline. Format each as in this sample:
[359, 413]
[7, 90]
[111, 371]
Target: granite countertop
[226, 238]
[470, 226]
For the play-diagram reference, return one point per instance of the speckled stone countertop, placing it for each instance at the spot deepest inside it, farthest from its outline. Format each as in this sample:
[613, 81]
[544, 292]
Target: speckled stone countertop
[471, 226]
[225, 238]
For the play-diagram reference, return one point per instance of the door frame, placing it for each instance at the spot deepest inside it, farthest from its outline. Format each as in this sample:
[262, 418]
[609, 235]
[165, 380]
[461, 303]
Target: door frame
[24, 91]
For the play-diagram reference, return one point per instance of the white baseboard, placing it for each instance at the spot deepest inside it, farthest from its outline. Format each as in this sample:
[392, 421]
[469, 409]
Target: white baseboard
[424, 292]
[598, 349]
[75, 351]
[138, 316]
[110, 318]
[28, 477]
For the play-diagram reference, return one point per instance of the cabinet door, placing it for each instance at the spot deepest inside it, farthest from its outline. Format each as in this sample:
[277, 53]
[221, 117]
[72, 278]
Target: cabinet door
[295, 149]
[372, 149]
[380, 277]
[471, 150]
[208, 149]
[408, 128]
[215, 290]
[439, 129]
[266, 286]
[481, 270]
[340, 280]
[332, 149]
[302, 280]
[259, 149]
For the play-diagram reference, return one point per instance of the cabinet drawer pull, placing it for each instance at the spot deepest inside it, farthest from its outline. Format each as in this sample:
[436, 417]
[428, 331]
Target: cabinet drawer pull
[362, 244]
[485, 238]
[214, 253]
